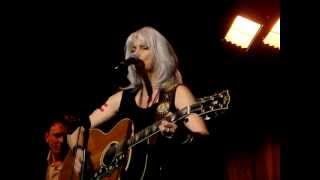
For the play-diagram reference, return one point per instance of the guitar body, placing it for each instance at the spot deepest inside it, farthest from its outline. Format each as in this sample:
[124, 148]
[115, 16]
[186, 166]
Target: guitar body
[102, 150]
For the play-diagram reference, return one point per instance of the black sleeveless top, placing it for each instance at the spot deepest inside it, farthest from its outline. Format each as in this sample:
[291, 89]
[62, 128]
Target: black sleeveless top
[141, 117]
[147, 161]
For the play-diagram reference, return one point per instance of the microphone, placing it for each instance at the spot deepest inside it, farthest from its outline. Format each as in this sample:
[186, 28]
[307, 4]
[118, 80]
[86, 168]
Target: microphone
[127, 62]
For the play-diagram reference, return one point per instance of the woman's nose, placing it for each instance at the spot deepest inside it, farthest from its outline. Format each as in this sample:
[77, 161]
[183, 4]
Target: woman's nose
[135, 54]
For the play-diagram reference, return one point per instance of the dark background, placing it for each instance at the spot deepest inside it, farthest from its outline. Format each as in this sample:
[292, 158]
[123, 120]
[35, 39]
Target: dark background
[63, 55]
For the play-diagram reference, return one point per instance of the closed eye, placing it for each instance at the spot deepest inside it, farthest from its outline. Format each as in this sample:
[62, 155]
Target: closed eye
[133, 49]
[144, 47]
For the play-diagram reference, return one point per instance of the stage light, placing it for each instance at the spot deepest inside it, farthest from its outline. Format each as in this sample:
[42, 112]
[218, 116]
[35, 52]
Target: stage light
[273, 37]
[242, 32]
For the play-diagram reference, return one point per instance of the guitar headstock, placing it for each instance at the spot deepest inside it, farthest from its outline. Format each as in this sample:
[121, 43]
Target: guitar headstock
[217, 102]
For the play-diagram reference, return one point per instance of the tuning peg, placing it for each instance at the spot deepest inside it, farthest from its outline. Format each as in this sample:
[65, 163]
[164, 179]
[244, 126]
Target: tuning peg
[207, 118]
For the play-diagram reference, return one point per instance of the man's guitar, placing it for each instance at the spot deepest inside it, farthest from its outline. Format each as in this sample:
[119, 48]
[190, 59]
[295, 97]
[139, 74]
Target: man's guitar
[109, 153]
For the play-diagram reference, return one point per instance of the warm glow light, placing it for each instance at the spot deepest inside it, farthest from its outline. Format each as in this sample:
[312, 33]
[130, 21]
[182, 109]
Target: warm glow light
[273, 37]
[242, 32]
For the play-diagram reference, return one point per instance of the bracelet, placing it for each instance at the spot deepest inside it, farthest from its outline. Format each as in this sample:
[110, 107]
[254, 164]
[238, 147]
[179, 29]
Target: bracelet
[168, 135]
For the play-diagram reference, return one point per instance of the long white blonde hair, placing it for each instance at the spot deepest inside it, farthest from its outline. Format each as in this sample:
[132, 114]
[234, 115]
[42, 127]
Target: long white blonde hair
[164, 57]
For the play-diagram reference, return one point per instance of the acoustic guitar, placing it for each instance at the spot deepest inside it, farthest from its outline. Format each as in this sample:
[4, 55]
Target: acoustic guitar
[109, 153]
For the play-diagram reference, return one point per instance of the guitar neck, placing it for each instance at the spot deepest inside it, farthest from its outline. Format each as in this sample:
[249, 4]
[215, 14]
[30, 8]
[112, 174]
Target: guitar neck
[143, 135]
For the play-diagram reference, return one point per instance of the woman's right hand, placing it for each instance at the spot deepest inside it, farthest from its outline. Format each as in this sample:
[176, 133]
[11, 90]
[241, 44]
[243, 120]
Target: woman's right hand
[78, 160]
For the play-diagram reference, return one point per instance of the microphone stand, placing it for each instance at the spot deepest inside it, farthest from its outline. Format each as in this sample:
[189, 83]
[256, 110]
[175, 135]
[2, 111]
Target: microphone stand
[84, 168]
[84, 162]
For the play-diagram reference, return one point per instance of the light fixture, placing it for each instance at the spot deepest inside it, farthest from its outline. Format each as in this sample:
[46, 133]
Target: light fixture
[273, 37]
[242, 32]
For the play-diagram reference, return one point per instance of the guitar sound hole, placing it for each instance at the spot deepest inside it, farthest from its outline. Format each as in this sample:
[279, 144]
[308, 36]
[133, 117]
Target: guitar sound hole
[110, 154]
